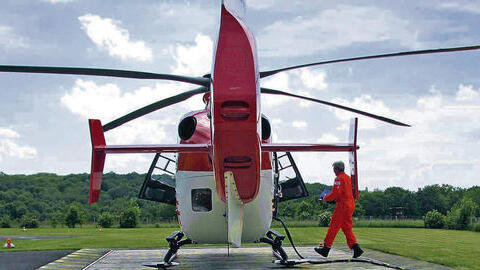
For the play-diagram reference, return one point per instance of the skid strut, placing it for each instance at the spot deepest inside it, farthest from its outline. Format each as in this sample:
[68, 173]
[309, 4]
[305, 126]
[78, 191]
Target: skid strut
[274, 239]
[175, 242]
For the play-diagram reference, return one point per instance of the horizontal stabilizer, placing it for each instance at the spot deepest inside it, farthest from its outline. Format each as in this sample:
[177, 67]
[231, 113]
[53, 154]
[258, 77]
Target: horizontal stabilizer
[100, 149]
[350, 147]
[305, 147]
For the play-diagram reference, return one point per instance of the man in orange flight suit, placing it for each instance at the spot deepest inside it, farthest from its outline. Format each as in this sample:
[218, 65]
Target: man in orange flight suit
[342, 215]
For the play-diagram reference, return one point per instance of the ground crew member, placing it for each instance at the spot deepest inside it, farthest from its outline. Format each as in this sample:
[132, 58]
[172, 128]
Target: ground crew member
[342, 215]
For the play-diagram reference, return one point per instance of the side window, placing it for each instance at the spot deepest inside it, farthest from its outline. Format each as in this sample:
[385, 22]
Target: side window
[201, 200]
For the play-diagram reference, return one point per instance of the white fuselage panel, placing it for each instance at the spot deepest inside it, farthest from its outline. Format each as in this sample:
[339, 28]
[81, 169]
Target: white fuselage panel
[211, 226]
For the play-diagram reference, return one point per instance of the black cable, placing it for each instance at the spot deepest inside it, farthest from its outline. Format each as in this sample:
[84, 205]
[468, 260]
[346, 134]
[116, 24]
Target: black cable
[289, 237]
[374, 262]
[358, 261]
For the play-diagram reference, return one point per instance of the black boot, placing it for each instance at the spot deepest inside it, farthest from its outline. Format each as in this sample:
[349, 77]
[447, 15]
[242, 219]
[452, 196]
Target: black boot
[324, 250]
[357, 251]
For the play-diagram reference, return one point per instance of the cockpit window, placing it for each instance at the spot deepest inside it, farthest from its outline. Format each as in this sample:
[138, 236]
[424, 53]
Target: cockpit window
[201, 200]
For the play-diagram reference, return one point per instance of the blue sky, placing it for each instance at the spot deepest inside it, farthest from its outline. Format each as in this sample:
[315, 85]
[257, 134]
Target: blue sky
[43, 118]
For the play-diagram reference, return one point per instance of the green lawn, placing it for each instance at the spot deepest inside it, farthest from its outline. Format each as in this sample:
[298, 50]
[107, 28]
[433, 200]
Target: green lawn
[460, 249]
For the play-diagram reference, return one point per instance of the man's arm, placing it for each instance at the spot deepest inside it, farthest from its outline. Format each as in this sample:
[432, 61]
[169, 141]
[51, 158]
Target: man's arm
[336, 191]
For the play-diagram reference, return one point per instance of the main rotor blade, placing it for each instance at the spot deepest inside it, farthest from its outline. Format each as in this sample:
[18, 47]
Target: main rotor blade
[105, 72]
[378, 117]
[153, 107]
[264, 74]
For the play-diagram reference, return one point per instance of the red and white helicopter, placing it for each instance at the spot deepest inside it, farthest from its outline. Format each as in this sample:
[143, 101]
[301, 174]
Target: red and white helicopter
[227, 178]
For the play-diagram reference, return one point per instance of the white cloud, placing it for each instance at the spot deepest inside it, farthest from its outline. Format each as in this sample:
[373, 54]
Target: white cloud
[277, 121]
[305, 81]
[59, 1]
[9, 148]
[280, 82]
[433, 150]
[328, 138]
[10, 40]
[313, 78]
[353, 24]
[299, 124]
[109, 101]
[467, 93]
[260, 4]
[364, 103]
[8, 133]
[193, 60]
[183, 20]
[468, 7]
[106, 34]
[440, 147]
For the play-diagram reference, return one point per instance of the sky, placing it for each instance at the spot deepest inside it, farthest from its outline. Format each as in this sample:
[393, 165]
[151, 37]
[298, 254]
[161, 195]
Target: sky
[43, 118]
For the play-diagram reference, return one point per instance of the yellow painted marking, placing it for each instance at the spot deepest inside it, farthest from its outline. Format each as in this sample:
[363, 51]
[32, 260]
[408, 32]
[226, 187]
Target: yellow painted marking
[67, 264]
[77, 259]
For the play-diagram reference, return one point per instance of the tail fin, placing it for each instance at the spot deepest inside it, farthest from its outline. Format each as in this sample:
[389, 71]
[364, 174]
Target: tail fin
[353, 157]
[98, 159]
[236, 7]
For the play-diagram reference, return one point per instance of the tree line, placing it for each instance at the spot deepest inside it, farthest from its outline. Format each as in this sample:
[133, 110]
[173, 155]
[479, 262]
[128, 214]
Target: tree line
[393, 202]
[50, 198]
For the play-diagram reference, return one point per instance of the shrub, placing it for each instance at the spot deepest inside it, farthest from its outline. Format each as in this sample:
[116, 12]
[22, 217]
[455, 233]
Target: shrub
[324, 218]
[5, 222]
[29, 221]
[55, 219]
[434, 220]
[73, 216]
[130, 218]
[451, 219]
[476, 227]
[106, 220]
[461, 215]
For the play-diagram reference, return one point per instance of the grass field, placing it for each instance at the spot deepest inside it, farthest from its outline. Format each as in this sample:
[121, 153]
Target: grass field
[360, 223]
[459, 249]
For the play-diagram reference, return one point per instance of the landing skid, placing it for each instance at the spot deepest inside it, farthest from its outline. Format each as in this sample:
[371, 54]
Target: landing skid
[289, 263]
[175, 242]
[160, 265]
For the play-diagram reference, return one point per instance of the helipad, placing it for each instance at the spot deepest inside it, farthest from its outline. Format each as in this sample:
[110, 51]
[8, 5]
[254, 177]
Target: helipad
[239, 258]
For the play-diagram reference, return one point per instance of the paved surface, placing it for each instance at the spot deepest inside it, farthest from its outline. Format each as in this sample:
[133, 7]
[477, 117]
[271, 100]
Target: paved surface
[76, 260]
[27, 260]
[193, 258]
[247, 258]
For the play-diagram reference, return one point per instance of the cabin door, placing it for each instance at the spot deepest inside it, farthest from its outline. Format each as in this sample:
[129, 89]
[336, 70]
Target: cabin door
[159, 187]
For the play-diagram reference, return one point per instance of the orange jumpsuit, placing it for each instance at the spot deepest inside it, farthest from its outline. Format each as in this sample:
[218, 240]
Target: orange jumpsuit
[342, 215]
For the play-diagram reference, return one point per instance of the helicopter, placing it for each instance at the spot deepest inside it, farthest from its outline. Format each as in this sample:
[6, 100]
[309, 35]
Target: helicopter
[227, 182]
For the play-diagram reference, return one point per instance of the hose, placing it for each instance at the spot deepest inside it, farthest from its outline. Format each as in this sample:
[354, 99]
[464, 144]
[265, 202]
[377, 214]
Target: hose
[374, 262]
[289, 237]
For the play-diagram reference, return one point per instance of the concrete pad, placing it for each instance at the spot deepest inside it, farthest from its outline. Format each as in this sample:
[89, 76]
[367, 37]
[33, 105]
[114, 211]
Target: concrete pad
[245, 258]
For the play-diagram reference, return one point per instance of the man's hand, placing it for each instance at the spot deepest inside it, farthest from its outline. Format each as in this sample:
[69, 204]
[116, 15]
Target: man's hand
[322, 196]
